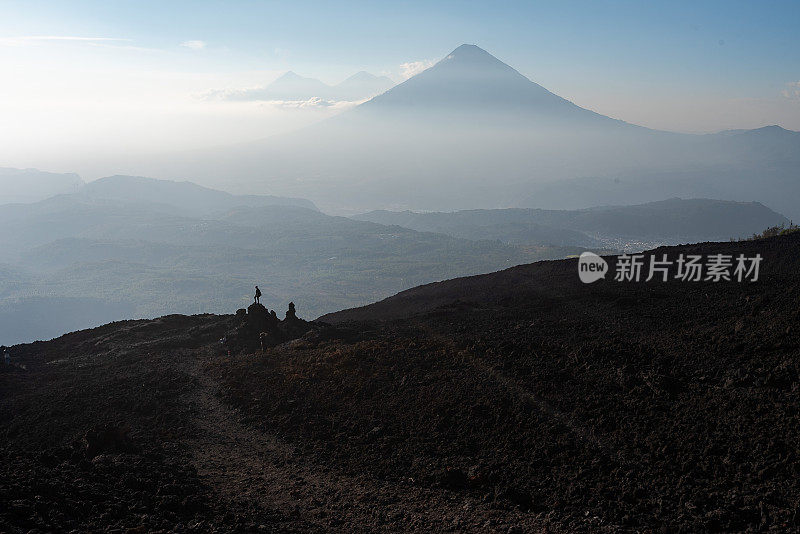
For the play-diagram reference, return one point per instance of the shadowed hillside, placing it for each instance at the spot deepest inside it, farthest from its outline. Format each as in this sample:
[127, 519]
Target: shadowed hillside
[521, 400]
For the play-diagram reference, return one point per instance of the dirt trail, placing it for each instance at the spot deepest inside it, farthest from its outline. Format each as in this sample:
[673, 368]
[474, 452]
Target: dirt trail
[253, 470]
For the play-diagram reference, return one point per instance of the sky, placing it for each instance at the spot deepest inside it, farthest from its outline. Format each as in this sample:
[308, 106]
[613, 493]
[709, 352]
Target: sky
[100, 79]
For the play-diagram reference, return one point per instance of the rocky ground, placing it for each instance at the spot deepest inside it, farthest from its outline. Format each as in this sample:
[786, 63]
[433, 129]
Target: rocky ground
[521, 401]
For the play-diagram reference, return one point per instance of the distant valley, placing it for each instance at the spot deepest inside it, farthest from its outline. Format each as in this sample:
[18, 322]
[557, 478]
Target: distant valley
[124, 247]
[636, 227]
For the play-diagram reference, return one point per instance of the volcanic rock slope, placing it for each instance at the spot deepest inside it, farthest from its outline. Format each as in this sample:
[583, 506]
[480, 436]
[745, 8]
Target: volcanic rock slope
[518, 401]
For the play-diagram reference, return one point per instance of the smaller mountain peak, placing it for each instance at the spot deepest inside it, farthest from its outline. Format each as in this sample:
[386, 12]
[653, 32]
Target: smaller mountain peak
[363, 75]
[290, 75]
[772, 129]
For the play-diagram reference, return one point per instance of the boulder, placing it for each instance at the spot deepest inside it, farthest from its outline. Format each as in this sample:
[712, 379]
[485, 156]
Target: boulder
[259, 319]
[291, 313]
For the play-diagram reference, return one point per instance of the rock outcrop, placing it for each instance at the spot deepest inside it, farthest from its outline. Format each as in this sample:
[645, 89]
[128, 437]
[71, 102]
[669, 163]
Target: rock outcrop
[260, 328]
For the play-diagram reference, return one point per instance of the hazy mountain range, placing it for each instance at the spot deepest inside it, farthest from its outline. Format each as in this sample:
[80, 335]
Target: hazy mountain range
[670, 221]
[31, 185]
[469, 132]
[126, 247]
[293, 87]
[472, 132]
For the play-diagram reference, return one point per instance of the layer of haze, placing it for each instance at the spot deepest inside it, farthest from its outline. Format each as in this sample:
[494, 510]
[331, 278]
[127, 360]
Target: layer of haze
[90, 87]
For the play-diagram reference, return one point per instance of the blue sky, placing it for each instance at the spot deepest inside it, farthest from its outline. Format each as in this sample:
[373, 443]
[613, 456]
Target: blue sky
[714, 44]
[685, 66]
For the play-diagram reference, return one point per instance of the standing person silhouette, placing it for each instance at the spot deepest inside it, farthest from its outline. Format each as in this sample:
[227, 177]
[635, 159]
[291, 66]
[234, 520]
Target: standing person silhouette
[258, 295]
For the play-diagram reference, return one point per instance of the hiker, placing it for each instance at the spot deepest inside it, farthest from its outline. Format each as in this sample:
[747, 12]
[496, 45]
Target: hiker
[6, 356]
[258, 295]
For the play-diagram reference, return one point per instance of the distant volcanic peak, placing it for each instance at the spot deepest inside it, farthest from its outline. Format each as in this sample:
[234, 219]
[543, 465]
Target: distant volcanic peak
[470, 52]
[471, 57]
[364, 76]
[292, 78]
[292, 86]
[470, 69]
[470, 80]
[368, 81]
[291, 75]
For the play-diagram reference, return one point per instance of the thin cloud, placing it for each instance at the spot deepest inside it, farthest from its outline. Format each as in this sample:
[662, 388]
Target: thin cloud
[194, 45]
[793, 91]
[34, 39]
[412, 68]
[239, 95]
[124, 47]
[312, 103]
[263, 94]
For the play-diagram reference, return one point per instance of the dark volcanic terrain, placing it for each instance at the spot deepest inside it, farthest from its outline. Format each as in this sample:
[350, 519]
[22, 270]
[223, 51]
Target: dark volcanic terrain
[517, 401]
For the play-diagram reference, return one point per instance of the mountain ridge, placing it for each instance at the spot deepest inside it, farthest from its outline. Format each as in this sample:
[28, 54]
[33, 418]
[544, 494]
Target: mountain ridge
[185, 196]
[291, 86]
[668, 221]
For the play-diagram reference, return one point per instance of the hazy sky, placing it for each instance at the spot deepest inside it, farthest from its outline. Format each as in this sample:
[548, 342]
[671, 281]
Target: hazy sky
[95, 79]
